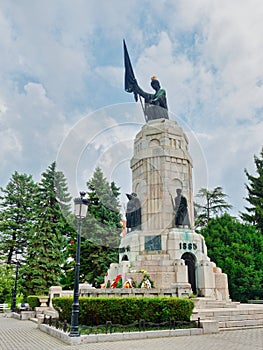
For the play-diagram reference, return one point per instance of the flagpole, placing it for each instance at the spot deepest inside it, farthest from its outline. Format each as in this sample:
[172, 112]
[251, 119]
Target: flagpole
[145, 116]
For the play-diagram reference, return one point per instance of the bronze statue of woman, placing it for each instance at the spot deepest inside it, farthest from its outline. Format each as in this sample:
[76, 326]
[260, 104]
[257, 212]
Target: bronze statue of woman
[133, 212]
[181, 210]
[155, 104]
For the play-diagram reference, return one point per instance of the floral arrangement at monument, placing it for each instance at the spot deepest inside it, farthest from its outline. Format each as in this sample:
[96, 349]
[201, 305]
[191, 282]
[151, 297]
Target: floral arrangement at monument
[117, 282]
[129, 283]
[146, 282]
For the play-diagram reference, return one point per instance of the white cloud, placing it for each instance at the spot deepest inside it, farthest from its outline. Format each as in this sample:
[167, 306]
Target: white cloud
[31, 131]
[3, 107]
[103, 138]
[228, 151]
[112, 74]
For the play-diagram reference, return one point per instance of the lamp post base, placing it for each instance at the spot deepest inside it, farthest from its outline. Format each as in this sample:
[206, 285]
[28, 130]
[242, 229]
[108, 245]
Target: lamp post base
[74, 332]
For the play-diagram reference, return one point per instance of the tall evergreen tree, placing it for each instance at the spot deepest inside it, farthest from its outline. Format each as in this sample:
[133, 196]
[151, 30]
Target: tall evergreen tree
[254, 214]
[16, 214]
[100, 232]
[213, 204]
[104, 210]
[103, 227]
[238, 249]
[46, 246]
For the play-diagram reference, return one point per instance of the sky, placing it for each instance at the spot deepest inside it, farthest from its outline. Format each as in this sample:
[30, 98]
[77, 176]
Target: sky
[62, 95]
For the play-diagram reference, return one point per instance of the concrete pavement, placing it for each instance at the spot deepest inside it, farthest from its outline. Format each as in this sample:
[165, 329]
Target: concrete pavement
[24, 335]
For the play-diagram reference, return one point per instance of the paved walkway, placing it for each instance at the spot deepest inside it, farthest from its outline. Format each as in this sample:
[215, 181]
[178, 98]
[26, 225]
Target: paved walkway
[24, 335]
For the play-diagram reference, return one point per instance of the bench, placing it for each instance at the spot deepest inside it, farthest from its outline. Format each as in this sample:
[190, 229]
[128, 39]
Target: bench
[3, 307]
[24, 307]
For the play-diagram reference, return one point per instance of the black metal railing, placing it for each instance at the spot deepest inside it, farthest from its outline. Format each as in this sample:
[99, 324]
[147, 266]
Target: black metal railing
[54, 322]
[109, 327]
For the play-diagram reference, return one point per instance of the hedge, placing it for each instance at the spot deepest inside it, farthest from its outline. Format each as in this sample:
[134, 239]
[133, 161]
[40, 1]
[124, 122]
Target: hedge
[33, 301]
[95, 311]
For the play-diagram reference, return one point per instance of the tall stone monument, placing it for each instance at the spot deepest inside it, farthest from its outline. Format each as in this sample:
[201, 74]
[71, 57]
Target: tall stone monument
[174, 257]
[163, 241]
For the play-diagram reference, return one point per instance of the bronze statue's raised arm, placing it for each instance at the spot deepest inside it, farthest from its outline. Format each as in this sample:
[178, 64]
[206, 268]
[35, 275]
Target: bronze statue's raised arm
[147, 96]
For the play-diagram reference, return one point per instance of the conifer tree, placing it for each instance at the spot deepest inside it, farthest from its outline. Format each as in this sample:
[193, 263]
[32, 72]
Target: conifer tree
[104, 210]
[103, 227]
[213, 204]
[238, 250]
[46, 245]
[16, 214]
[100, 232]
[254, 214]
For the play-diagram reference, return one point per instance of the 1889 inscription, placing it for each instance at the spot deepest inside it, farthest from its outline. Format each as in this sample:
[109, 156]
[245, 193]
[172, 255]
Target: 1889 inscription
[188, 246]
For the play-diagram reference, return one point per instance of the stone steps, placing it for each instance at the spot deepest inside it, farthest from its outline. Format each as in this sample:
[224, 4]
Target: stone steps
[154, 263]
[152, 267]
[239, 316]
[151, 257]
[208, 303]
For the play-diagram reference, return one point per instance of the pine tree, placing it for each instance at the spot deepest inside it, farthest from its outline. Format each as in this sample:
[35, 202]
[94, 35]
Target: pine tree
[61, 189]
[100, 233]
[103, 222]
[214, 203]
[17, 214]
[254, 213]
[46, 246]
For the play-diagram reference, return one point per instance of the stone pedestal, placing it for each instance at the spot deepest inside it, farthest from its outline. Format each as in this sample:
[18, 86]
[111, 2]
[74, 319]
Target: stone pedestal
[179, 259]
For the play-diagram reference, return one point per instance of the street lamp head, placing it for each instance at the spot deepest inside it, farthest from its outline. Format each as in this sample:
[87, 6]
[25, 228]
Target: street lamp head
[81, 206]
[18, 255]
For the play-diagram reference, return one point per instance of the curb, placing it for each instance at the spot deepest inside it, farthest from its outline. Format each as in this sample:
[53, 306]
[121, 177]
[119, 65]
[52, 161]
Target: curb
[97, 338]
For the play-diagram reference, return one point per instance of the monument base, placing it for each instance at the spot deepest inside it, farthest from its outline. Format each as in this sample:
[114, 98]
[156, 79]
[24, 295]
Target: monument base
[173, 258]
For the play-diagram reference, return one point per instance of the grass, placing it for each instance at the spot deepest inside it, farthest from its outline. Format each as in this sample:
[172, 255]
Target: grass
[135, 327]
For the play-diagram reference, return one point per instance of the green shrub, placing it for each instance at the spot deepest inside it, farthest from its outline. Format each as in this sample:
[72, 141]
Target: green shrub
[33, 301]
[6, 283]
[95, 311]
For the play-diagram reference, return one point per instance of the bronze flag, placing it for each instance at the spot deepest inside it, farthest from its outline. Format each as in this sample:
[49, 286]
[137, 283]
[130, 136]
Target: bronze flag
[129, 77]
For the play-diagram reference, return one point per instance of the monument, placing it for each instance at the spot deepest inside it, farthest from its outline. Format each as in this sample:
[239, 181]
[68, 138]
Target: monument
[163, 241]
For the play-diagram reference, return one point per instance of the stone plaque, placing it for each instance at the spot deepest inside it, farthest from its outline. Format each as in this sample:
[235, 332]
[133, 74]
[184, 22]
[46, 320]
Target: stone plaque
[152, 243]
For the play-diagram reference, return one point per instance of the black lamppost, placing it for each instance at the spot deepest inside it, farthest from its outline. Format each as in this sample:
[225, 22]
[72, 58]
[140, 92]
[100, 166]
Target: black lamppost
[80, 210]
[18, 256]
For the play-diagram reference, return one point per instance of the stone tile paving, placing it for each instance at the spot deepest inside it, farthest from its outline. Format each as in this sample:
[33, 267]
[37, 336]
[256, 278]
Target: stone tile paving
[24, 335]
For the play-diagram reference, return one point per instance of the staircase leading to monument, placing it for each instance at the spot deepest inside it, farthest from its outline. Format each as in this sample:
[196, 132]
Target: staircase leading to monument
[229, 315]
[158, 265]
